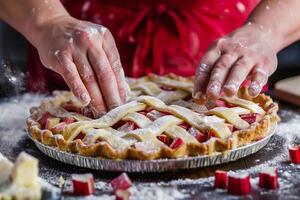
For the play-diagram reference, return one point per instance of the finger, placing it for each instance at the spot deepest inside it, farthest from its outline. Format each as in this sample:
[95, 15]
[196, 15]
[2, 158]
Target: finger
[259, 79]
[203, 72]
[219, 74]
[70, 74]
[113, 56]
[106, 77]
[237, 75]
[89, 79]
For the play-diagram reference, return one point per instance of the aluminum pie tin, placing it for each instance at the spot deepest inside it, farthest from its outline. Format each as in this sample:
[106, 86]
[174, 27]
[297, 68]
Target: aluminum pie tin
[158, 165]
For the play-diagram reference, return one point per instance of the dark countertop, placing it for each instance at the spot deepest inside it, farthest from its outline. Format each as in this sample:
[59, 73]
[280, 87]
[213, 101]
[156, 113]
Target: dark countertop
[188, 184]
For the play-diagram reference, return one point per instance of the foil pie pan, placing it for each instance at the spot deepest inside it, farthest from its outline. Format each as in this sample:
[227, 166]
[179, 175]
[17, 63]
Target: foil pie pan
[158, 165]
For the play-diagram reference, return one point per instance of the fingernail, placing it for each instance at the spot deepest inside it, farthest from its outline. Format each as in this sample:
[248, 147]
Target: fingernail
[203, 68]
[85, 98]
[254, 88]
[231, 86]
[215, 88]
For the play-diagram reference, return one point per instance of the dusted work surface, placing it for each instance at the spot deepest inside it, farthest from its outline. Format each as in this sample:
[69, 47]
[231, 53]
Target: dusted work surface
[185, 184]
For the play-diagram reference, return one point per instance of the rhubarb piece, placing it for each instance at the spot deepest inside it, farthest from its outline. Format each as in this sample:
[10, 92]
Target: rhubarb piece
[177, 142]
[83, 184]
[81, 136]
[69, 106]
[200, 136]
[44, 118]
[220, 179]
[185, 126]
[51, 122]
[193, 131]
[122, 182]
[268, 178]
[251, 117]
[58, 128]
[127, 127]
[25, 171]
[122, 194]
[220, 103]
[239, 184]
[69, 120]
[154, 115]
[165, 139]
[294, 152]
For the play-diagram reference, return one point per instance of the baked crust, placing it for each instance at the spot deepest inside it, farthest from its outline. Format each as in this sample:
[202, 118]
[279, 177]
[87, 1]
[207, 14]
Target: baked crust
[254, 132]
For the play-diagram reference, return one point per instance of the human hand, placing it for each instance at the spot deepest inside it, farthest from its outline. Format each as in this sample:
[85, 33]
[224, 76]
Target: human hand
[86, 56]
[247, 53]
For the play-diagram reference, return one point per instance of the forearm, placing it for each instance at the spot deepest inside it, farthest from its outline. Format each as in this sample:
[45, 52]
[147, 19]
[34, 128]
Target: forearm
[26, 16]
[279, 18]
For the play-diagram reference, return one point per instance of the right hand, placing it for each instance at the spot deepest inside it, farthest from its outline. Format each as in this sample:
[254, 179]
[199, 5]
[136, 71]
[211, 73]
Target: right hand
[247, 53]
[86, 56]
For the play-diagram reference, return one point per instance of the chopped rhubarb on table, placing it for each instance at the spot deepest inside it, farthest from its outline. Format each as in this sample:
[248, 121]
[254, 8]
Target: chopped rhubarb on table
[177, 142]
[294, 152]
[44, 118]
[122, 195]
[165, 139]
[220, 179]
[238, 184]
[69, 120]
[251, 117]
[122, 182]
[58, 128]
[83, 184]
[268, 178]
[127, 127]
[51, 122]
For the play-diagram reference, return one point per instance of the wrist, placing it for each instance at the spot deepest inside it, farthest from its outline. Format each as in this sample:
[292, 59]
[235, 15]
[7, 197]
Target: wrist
[266, 34]
[34, 28]
[270, 35]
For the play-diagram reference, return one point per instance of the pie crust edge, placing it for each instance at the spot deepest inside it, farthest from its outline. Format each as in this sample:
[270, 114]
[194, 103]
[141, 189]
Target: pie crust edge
[241, 137]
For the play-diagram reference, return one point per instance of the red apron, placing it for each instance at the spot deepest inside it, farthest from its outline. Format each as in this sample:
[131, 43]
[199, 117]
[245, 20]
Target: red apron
[153, 36]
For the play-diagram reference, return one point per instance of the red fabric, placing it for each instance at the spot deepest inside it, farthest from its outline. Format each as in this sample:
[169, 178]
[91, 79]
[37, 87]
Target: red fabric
[153, 36]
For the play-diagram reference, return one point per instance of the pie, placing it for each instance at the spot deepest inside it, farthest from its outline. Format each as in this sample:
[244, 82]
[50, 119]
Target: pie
[160, 120]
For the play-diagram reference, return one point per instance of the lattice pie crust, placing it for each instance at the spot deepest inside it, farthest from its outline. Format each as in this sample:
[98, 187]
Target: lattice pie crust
[161, 120]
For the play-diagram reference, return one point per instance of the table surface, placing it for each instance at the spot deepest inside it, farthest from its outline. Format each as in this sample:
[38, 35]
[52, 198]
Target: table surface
[184, 184]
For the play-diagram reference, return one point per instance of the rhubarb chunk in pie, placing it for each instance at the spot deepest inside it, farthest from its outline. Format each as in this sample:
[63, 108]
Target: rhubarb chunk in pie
[160, 120]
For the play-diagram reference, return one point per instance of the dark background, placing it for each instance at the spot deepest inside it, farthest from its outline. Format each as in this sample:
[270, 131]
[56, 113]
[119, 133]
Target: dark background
[13, 48]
